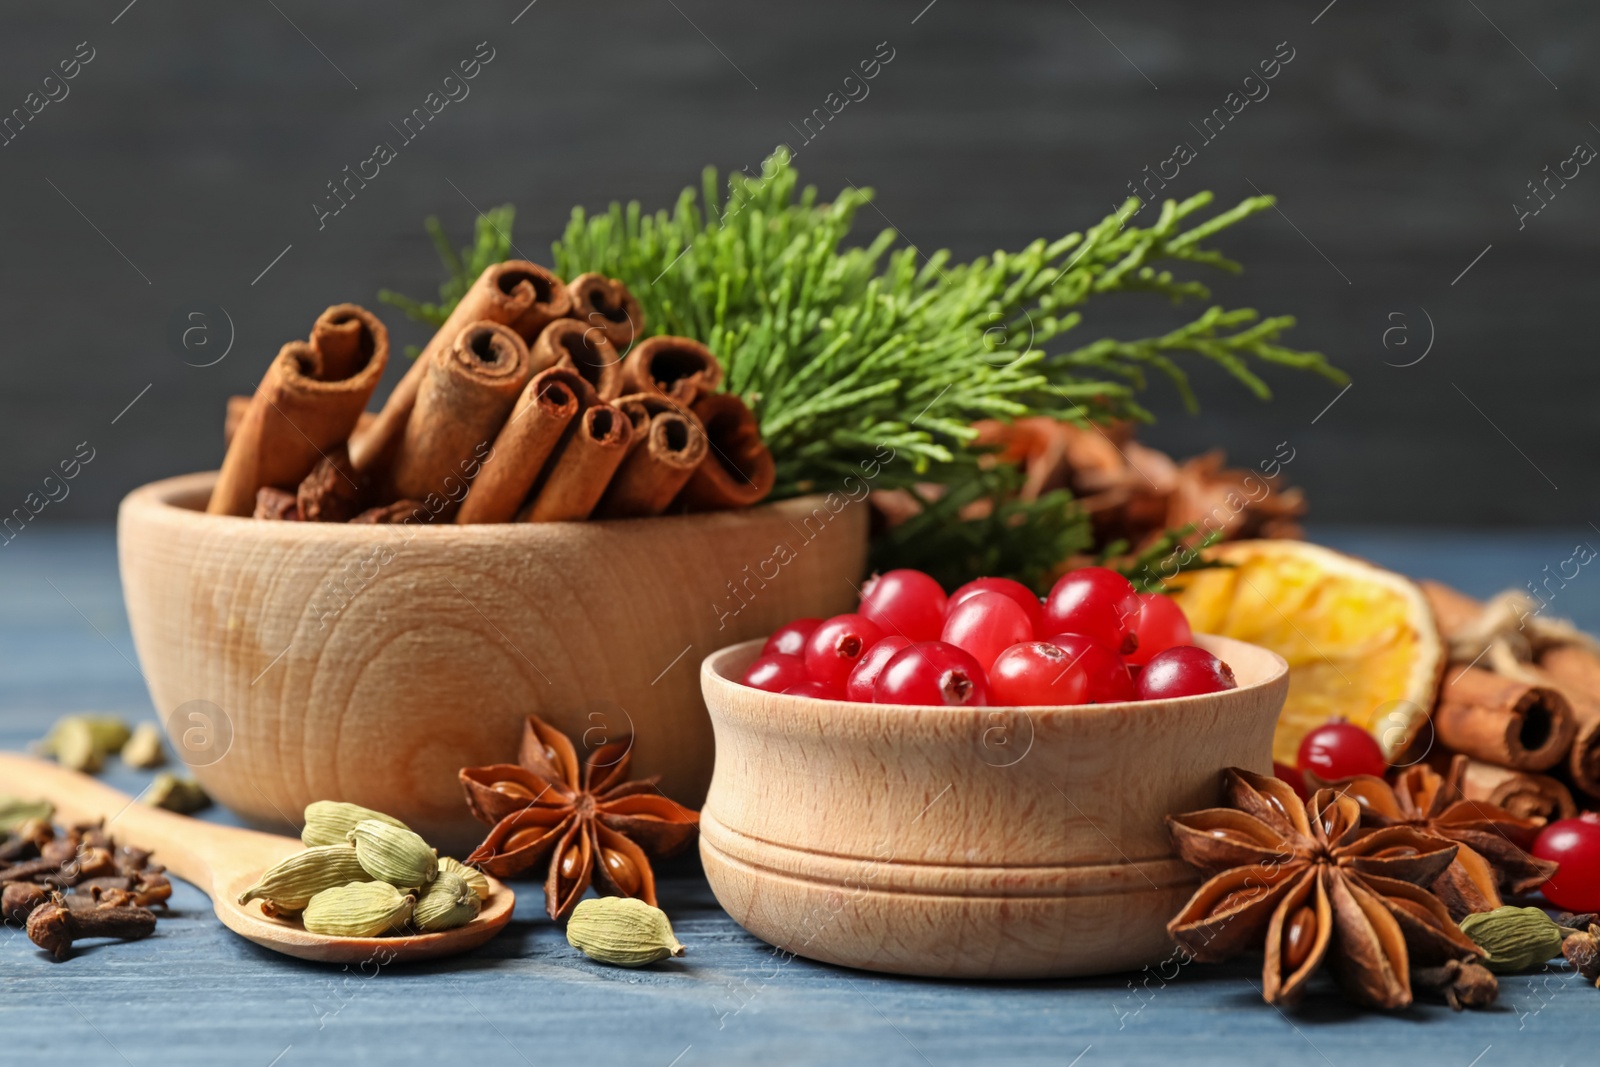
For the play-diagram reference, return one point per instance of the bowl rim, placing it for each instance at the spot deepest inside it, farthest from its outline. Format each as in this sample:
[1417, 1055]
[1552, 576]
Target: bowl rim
[714, 677]
[180, 499]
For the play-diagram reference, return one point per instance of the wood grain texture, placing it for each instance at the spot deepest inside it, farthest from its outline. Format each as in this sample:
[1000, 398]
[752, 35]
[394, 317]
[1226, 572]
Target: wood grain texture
[974, 842]
[371, 664]
[222, 862]
[196, 995]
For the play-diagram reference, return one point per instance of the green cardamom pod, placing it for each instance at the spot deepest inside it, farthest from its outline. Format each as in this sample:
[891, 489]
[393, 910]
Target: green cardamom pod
[290, 885]
[360, 909]
[623, 931]
[182, 795]
[394, 854]
[72, 742]
[329, 822]
[14, 812]
[143, 750]
[110, 733]
[473, 877]
[447, 903]
[1514, 939]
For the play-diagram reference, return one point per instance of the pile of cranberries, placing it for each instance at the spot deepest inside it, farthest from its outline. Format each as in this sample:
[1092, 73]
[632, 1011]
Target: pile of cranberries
[1093, 640]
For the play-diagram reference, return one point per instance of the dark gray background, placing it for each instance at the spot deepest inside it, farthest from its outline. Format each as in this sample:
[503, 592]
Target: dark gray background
[1397, 141]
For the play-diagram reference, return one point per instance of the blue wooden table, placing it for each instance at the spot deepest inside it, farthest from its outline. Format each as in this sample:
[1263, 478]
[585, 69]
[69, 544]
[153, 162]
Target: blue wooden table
[196, 994]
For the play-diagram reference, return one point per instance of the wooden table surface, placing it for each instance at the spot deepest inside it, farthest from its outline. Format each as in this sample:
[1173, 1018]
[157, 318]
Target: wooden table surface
[196, 994]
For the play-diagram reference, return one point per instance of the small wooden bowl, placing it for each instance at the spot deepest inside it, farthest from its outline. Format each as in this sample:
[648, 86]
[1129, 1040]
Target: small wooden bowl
[296, 661]
[971, 843]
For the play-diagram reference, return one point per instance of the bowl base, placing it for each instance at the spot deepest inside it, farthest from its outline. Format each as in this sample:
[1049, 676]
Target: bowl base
[997, 923]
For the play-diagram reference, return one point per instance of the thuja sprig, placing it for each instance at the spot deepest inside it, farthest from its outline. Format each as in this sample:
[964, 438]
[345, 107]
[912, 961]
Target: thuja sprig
[956, 542]
[491, 244]
[850, 353]
[841, 350]
[1162, 559]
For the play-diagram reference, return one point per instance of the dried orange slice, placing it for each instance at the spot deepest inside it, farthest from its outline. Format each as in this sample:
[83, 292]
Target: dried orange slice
[1360, 641]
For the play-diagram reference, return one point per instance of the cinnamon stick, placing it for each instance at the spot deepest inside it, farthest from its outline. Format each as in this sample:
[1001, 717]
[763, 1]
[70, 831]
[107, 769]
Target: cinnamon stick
[538, 423]
[462, 402]
[238, 405]
[737, 470]
[552, 301]
[1452, 609]
[675, 367]
[1525, 795]
[665, 453]
[578, 474]
[504, 293]
[639, 407]
[1502, 720]
[1576, 670]
[606, 305]
[584, 349]
[299, 411]
[347, 336]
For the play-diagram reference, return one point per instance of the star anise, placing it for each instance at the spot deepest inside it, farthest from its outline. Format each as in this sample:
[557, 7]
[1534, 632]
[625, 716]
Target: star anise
[1492, 842]
[1312, 886]
[593, 823]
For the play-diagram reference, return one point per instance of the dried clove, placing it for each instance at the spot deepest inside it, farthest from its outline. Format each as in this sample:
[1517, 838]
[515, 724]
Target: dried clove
[109, 898]
[55, 925]
[59, 851]
[28, 870]
[130, 860]
[93, 835]
[1582, 949]
[151, 889]
[78, 884]
[19, 899]
[91, 862]
[1463, 983]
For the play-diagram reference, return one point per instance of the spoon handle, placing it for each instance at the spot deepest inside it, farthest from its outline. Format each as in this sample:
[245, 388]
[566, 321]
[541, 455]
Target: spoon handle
[199, 852]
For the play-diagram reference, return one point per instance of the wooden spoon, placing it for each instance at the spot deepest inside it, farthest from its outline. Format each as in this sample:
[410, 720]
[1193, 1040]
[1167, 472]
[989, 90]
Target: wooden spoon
[222, 862]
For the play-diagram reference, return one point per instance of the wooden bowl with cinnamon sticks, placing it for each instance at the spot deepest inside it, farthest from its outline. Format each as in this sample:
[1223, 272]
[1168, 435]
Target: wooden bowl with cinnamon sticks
[370, 663]
[359, 604]
[969, 842]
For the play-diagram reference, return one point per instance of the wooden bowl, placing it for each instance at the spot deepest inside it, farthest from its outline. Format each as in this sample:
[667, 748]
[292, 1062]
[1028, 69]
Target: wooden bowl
[295, 661]
[971, 843]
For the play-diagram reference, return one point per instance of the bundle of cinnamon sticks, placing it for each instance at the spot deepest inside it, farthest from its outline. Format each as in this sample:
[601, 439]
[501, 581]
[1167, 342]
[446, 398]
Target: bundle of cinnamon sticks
[1521, 699]
[538, 400]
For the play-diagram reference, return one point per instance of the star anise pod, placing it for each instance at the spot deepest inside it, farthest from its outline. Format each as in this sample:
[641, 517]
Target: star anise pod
[1492, 842]
[1309, 884]
[592, 822]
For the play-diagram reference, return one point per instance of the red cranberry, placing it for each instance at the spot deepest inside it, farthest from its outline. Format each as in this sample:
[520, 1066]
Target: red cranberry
[790, 638]
[1037, 673]
[904, 602]
[1184, 671]
[775, 673]
[1108, 679]
[865, 674]
[1098, 603]
[836, 646]
[932, 672]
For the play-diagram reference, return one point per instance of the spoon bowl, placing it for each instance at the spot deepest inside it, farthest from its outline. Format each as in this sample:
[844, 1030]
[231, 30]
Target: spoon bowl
[222, 862]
